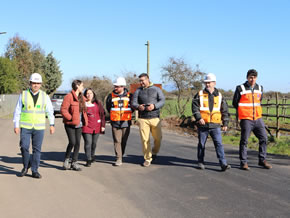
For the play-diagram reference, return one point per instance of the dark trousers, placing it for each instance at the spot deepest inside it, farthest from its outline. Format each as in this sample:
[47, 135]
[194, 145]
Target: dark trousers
[120, 137]
[258, 128]
[90, 144]
[74, 140]
[216, 136]
[37, 138]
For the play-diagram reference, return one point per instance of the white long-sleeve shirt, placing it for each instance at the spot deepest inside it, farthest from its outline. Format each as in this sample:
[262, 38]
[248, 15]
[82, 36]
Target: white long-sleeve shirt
[48, 109]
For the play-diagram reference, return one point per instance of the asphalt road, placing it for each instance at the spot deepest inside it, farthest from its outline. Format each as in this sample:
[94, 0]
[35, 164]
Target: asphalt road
[172, 187]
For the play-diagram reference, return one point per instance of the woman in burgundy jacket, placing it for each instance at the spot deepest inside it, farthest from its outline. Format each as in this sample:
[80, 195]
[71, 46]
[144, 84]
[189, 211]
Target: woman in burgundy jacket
[73, 110]
[96, 125]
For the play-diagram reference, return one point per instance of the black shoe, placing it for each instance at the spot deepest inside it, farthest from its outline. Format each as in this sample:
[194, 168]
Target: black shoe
[89, 163]
[23, 172]
[154, 156]
[225, 167]
[36, 175]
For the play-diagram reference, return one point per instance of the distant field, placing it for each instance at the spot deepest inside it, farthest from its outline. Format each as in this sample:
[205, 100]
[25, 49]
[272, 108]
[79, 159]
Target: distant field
[170, 109]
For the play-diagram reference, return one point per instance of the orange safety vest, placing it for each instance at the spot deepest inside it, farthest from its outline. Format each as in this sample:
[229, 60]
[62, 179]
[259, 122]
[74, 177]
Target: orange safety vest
[121, 110]
[250, 104]
[214, 116]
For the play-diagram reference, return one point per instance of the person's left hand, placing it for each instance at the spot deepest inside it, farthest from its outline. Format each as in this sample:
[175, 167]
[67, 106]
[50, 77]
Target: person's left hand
[103, 129]
[224, 128]
[52, 129]
[150, 107]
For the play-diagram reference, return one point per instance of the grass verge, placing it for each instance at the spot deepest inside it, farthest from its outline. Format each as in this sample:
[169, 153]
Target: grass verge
[275, 146]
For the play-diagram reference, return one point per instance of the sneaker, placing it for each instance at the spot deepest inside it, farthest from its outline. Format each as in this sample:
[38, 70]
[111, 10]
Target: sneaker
[66, 164]
[89, 163]
[201, 166]
[265, 165]
[118, 162]
[244, 166]
[75, 166]
[36, 175]
[146, 163]
[225, 167]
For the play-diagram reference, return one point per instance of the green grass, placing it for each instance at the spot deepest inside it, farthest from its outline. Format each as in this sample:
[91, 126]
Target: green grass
[275, 146]
[170, 106]
[272, 109]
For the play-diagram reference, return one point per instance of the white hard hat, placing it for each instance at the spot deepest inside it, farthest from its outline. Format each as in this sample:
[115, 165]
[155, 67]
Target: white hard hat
[36, 78]
[210, 78]
[120, 81]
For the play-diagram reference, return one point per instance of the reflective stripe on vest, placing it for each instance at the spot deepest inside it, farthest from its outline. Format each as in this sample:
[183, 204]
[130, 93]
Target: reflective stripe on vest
[33, 116]
[121, 110]
[215, 115]
[250, 104]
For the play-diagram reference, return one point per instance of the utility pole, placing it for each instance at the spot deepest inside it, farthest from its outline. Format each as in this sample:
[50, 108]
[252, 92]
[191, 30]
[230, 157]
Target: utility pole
[148, 57]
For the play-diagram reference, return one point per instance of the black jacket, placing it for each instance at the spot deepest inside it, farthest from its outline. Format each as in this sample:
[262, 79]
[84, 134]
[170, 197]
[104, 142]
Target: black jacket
[224, 109]
[109, 105]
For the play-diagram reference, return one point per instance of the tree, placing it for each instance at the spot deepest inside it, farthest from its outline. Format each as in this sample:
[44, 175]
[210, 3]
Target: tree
[102, 86]
[52, 73]
[9, 76]
[131, 78]
[18, 50]
[185, 80]
[28, 58]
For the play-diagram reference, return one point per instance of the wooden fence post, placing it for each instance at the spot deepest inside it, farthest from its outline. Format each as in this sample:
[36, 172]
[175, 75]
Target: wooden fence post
[277, 117]
[268, 100]
[284, 108]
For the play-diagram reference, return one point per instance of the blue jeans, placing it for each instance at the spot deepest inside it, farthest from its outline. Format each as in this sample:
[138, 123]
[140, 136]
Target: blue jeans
[216, 136]
[37, 138]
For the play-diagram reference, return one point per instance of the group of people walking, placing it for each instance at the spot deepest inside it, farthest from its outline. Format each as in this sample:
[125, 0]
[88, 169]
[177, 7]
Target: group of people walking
[84, 115]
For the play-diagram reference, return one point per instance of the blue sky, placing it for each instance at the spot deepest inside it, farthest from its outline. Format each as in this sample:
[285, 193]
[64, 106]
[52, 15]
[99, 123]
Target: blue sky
[224, 37]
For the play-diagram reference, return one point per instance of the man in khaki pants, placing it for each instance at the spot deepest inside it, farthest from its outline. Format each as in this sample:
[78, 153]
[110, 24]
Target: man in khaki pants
[148, 100]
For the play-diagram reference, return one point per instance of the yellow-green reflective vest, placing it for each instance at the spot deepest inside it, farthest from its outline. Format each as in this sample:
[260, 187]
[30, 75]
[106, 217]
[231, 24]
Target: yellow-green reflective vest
[33, 116]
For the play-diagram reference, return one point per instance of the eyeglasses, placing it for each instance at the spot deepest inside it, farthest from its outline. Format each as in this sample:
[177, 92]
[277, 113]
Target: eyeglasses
[118, 87]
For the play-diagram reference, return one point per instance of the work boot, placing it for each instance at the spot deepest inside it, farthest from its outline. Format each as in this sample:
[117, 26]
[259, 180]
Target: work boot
[66, 164]
[75, 166]
[36, 175]
[265, 164]
[244, 166]
[23, 172]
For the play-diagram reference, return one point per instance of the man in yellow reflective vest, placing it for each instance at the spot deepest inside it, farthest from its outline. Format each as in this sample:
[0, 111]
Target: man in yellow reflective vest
[210, 111]
[29, 120]
[118, 104]
[247, 100]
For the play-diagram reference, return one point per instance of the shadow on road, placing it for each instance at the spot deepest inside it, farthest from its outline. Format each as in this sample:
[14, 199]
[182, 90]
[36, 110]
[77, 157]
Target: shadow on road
[282, 160]
[11, 160]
